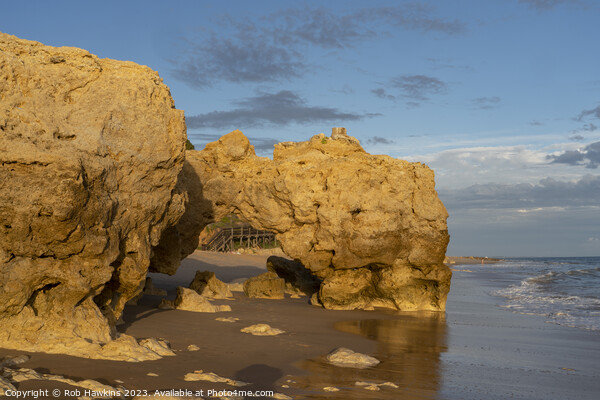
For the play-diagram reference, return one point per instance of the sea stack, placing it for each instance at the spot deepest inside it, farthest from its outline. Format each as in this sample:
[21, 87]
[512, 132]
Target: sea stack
[370, 227]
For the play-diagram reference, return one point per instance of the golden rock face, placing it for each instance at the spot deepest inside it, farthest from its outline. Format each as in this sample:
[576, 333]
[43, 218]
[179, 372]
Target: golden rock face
[95, 191]
[371, 227]
[90, 151]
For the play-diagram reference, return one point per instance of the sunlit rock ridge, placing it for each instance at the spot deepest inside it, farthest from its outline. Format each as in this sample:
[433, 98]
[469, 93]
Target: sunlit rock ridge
[370, 226]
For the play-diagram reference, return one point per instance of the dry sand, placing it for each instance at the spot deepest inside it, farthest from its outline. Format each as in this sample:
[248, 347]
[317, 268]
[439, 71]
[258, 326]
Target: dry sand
[474, 351]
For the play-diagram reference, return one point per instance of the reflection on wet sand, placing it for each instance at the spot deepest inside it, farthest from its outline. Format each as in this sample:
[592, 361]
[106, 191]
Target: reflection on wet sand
[408, 346]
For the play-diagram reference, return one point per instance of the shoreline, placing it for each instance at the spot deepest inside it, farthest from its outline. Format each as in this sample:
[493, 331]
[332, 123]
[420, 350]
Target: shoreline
[469, 260]
[474, 350]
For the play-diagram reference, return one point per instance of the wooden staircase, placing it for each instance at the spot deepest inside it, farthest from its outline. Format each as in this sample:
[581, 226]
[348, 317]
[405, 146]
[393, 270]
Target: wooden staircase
[228, 239]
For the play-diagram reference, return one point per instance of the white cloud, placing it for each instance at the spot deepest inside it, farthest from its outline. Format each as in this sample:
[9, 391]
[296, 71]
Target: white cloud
[466, 166]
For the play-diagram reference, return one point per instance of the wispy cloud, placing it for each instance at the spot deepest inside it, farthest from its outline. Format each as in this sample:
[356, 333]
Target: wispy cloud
[594, 113]
[415, 88]
[548, 192]
[544, 5]
[271, 109]
[465, 166]
[440, 63]
[418, 87]
[412, 16]
[247, 57]
[274, 48]
[379, 140]
[382, 94]
[589, 156]
[486, 103]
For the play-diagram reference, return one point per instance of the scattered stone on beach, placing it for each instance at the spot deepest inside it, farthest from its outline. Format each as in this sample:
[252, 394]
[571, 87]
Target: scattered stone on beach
[227, 319]
[159, 346]
[265, 286]
[261, 330]
[212, 377]
[26, 374]
[375, 386]
[343, 357]
[5, 385]
[11, 361]
[125, 348]
[206, 284]
[330, 389]
[298, 279]
[193, 347]
[189, 300]
[91, 152]
[384, 248]
[151, 374]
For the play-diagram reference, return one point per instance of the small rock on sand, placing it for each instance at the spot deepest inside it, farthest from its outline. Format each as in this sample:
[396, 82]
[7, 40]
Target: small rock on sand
[5, 385]
[261, 330]
[375, 385]
[265, 286]
[330, 389]
[343, 357]
[206, 284]
[227, 319]
[159, 346]
[211, 377]
[14, 360]
[151, 374]
[193, 347]
[26, 374]
[189, 300]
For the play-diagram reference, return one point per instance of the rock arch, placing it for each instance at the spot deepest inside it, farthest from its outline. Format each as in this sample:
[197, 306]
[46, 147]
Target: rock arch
[371, 227]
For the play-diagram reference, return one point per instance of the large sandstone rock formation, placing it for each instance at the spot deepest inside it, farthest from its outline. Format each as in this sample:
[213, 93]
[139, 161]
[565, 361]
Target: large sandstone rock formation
[370, 227]
[90, 150]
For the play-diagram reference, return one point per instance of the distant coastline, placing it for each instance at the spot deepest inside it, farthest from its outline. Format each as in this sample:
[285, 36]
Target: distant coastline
[458, 260]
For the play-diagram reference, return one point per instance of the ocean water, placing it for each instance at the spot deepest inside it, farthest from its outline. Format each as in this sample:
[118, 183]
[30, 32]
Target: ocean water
[566, 291]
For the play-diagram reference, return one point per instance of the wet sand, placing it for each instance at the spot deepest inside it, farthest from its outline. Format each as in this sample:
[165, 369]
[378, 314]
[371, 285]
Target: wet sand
[475, 350]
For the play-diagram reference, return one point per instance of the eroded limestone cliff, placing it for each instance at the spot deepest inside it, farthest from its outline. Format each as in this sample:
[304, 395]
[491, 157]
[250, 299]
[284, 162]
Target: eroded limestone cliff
[90, 150]
[94, 192]
[371, 227]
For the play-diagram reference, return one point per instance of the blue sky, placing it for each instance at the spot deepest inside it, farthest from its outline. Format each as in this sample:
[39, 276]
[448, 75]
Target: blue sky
[500, 97]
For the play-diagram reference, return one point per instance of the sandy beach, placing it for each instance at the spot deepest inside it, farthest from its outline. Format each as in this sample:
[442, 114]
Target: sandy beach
[475, 350]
